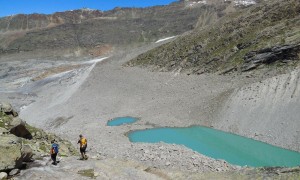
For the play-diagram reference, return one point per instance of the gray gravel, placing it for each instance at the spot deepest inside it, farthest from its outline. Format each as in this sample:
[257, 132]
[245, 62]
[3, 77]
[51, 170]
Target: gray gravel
[83, 101]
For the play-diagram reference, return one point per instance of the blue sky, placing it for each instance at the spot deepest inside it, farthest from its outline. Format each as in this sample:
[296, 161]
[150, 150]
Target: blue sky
[9, 7]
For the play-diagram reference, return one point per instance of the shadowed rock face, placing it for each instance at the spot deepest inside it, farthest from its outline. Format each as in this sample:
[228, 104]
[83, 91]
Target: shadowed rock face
[18, 128]
[270, 55]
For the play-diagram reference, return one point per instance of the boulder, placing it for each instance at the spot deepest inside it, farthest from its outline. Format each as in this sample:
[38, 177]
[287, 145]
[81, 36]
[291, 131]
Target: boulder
[38, 135]
[3, 175]
[14, 113]
[10, 150]
[18, 128]
[7, 109]
[14, 172]
[26, 153]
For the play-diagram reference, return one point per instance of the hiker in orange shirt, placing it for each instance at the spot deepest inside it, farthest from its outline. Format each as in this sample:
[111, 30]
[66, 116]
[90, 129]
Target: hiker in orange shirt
[83, 144]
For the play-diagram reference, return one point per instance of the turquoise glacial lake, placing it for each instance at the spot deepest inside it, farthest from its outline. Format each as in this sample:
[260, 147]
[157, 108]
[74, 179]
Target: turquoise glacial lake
[121, 120]
[217, 144]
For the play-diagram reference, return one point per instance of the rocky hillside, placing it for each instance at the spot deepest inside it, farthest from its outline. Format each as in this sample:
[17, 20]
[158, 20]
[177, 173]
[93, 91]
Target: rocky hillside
[258, 36]
[21, 144]
[23, 22]
[83, 32]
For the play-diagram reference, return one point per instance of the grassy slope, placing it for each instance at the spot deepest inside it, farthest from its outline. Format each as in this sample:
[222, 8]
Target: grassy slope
[215, 48]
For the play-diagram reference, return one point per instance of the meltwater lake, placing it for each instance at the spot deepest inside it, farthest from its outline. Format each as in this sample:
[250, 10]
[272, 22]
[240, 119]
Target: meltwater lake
[217, 144]
[121, 121]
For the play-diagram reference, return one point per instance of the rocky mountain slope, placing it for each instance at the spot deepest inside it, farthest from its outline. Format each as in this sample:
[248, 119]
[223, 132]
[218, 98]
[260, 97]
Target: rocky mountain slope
[84, 32]
[261, 35]
[24, 22]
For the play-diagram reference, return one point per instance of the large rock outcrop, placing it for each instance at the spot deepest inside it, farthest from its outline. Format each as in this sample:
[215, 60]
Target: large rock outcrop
[10, 150]
[282, 53]
[7, 109]
[14, 124]
[18, 128]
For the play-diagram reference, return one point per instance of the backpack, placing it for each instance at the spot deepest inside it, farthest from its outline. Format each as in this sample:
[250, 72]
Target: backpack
[55, 148]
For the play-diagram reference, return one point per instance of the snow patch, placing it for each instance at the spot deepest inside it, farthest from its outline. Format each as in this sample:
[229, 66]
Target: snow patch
[243, 2]
[196, 2]
[161, 40]
[94, 61]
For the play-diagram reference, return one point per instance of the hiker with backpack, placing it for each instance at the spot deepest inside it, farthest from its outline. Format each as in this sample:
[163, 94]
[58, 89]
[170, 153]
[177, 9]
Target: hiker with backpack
[83, 145]
[54, 151]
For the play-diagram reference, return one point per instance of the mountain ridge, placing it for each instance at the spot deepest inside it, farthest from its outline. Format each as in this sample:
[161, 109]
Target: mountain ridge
[80, 31]
[223, 46]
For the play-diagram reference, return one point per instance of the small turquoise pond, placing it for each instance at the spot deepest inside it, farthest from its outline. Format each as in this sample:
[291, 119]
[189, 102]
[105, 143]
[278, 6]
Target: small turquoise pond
[121, 120]
[234, 149]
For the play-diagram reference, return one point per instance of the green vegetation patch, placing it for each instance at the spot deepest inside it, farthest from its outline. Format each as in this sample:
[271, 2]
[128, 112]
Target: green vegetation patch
[4, 119]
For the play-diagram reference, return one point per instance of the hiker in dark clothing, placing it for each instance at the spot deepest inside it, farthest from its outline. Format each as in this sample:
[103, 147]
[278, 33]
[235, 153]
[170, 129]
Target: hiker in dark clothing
[54, 152]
